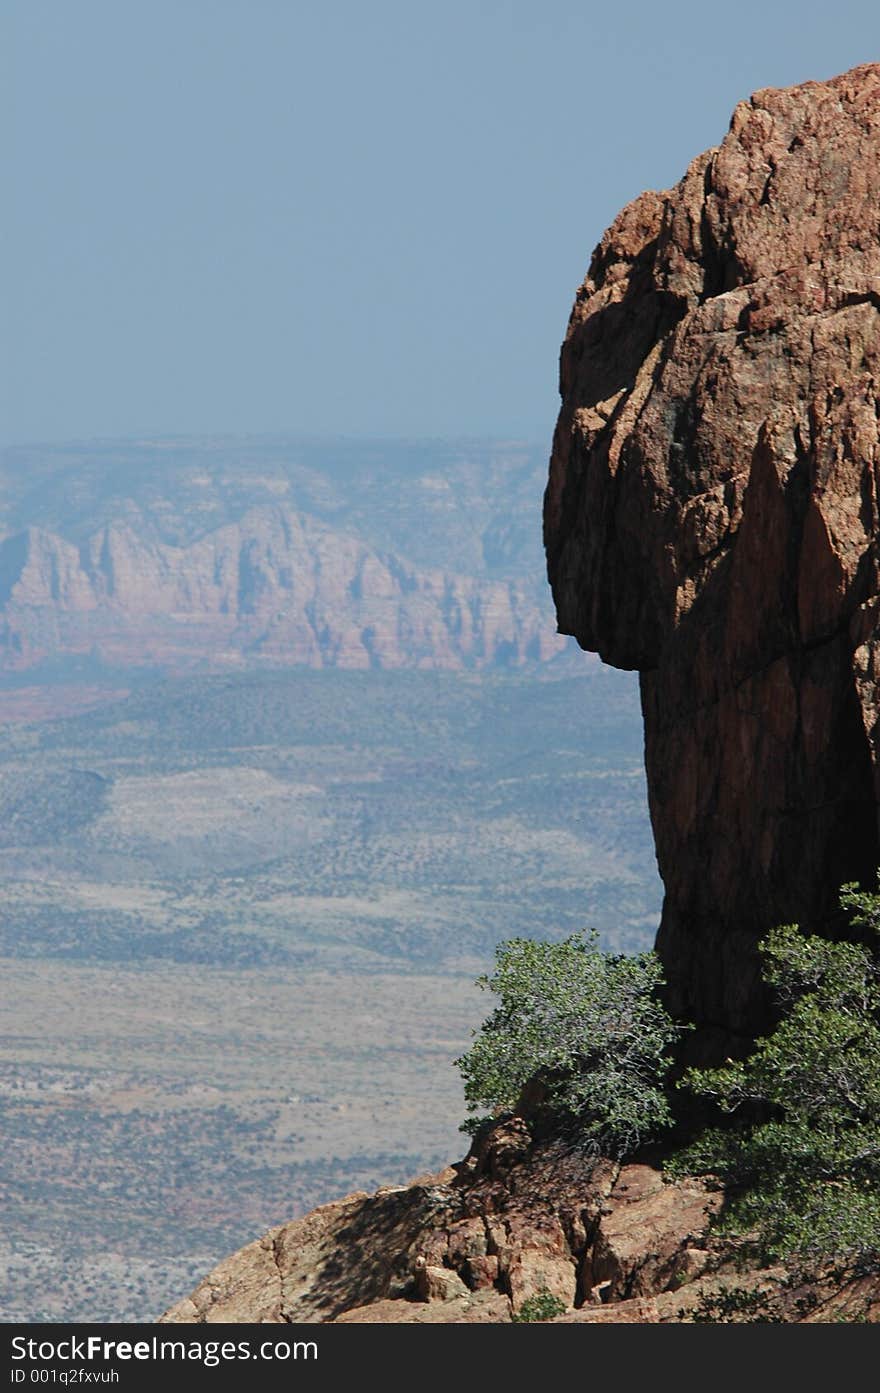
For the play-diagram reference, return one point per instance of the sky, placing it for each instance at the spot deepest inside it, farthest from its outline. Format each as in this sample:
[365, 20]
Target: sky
[342, 218]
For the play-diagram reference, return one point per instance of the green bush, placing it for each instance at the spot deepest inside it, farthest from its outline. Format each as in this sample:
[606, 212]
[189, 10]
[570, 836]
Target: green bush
[589, 1025]
[543, 1306]
[803, 1164]
[732, 1304]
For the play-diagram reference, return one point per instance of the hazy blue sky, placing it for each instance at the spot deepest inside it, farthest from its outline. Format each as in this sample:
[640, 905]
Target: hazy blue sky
[337, 217]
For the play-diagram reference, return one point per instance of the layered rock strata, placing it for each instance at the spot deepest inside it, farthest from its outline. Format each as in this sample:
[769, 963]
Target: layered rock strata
[275, 588]
[712, 514]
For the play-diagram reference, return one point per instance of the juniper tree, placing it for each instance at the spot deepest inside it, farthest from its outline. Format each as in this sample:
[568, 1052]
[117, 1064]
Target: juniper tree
[589, 1025]
[801, 1159]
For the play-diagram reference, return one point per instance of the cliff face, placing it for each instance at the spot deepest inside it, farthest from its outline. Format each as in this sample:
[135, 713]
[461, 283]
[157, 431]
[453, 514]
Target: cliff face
[274, 587]
[712, 514]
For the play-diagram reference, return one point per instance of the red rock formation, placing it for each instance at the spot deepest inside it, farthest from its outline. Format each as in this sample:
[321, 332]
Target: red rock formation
[274, 588]
[712, 513]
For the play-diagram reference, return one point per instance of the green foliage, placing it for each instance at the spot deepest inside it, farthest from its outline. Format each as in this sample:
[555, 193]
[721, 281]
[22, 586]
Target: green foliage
[732, 1304]
[804, 1161]
[543, 1306]
[589, 1026]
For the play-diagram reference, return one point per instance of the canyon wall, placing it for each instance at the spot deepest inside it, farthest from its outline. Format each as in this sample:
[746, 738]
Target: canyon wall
[711, 519]
[274, 588]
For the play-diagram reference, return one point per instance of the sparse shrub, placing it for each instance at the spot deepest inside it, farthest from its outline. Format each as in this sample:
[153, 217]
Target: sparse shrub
[589, 1025]
[543, 1306]
[805, 1176]
[733, 1304]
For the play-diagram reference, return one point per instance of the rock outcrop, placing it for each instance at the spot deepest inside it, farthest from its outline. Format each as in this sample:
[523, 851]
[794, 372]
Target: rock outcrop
[513, 1220]
[516, 1220]
[712, 517]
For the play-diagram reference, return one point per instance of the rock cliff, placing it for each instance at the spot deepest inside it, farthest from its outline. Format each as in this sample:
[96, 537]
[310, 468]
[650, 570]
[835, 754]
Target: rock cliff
[711, 519]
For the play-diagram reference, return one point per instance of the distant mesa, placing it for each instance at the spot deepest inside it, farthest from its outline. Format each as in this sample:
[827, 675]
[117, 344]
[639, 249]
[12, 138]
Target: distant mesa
[246, 555]
[712, 519]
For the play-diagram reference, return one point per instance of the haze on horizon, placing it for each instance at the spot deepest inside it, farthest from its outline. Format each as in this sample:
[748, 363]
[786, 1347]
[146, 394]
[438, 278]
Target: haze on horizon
[234, 218]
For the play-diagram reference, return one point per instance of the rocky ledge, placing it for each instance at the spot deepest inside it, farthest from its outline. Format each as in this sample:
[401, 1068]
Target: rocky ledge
[516, 1219]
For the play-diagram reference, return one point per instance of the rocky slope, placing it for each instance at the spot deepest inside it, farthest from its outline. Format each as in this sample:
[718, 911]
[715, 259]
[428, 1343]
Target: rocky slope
[712, 518]
[229, 556]
[516, 1219]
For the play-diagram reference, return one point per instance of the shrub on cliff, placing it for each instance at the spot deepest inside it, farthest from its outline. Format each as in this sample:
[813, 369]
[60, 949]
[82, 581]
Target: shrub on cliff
[589, 1025]
[805, 1179]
